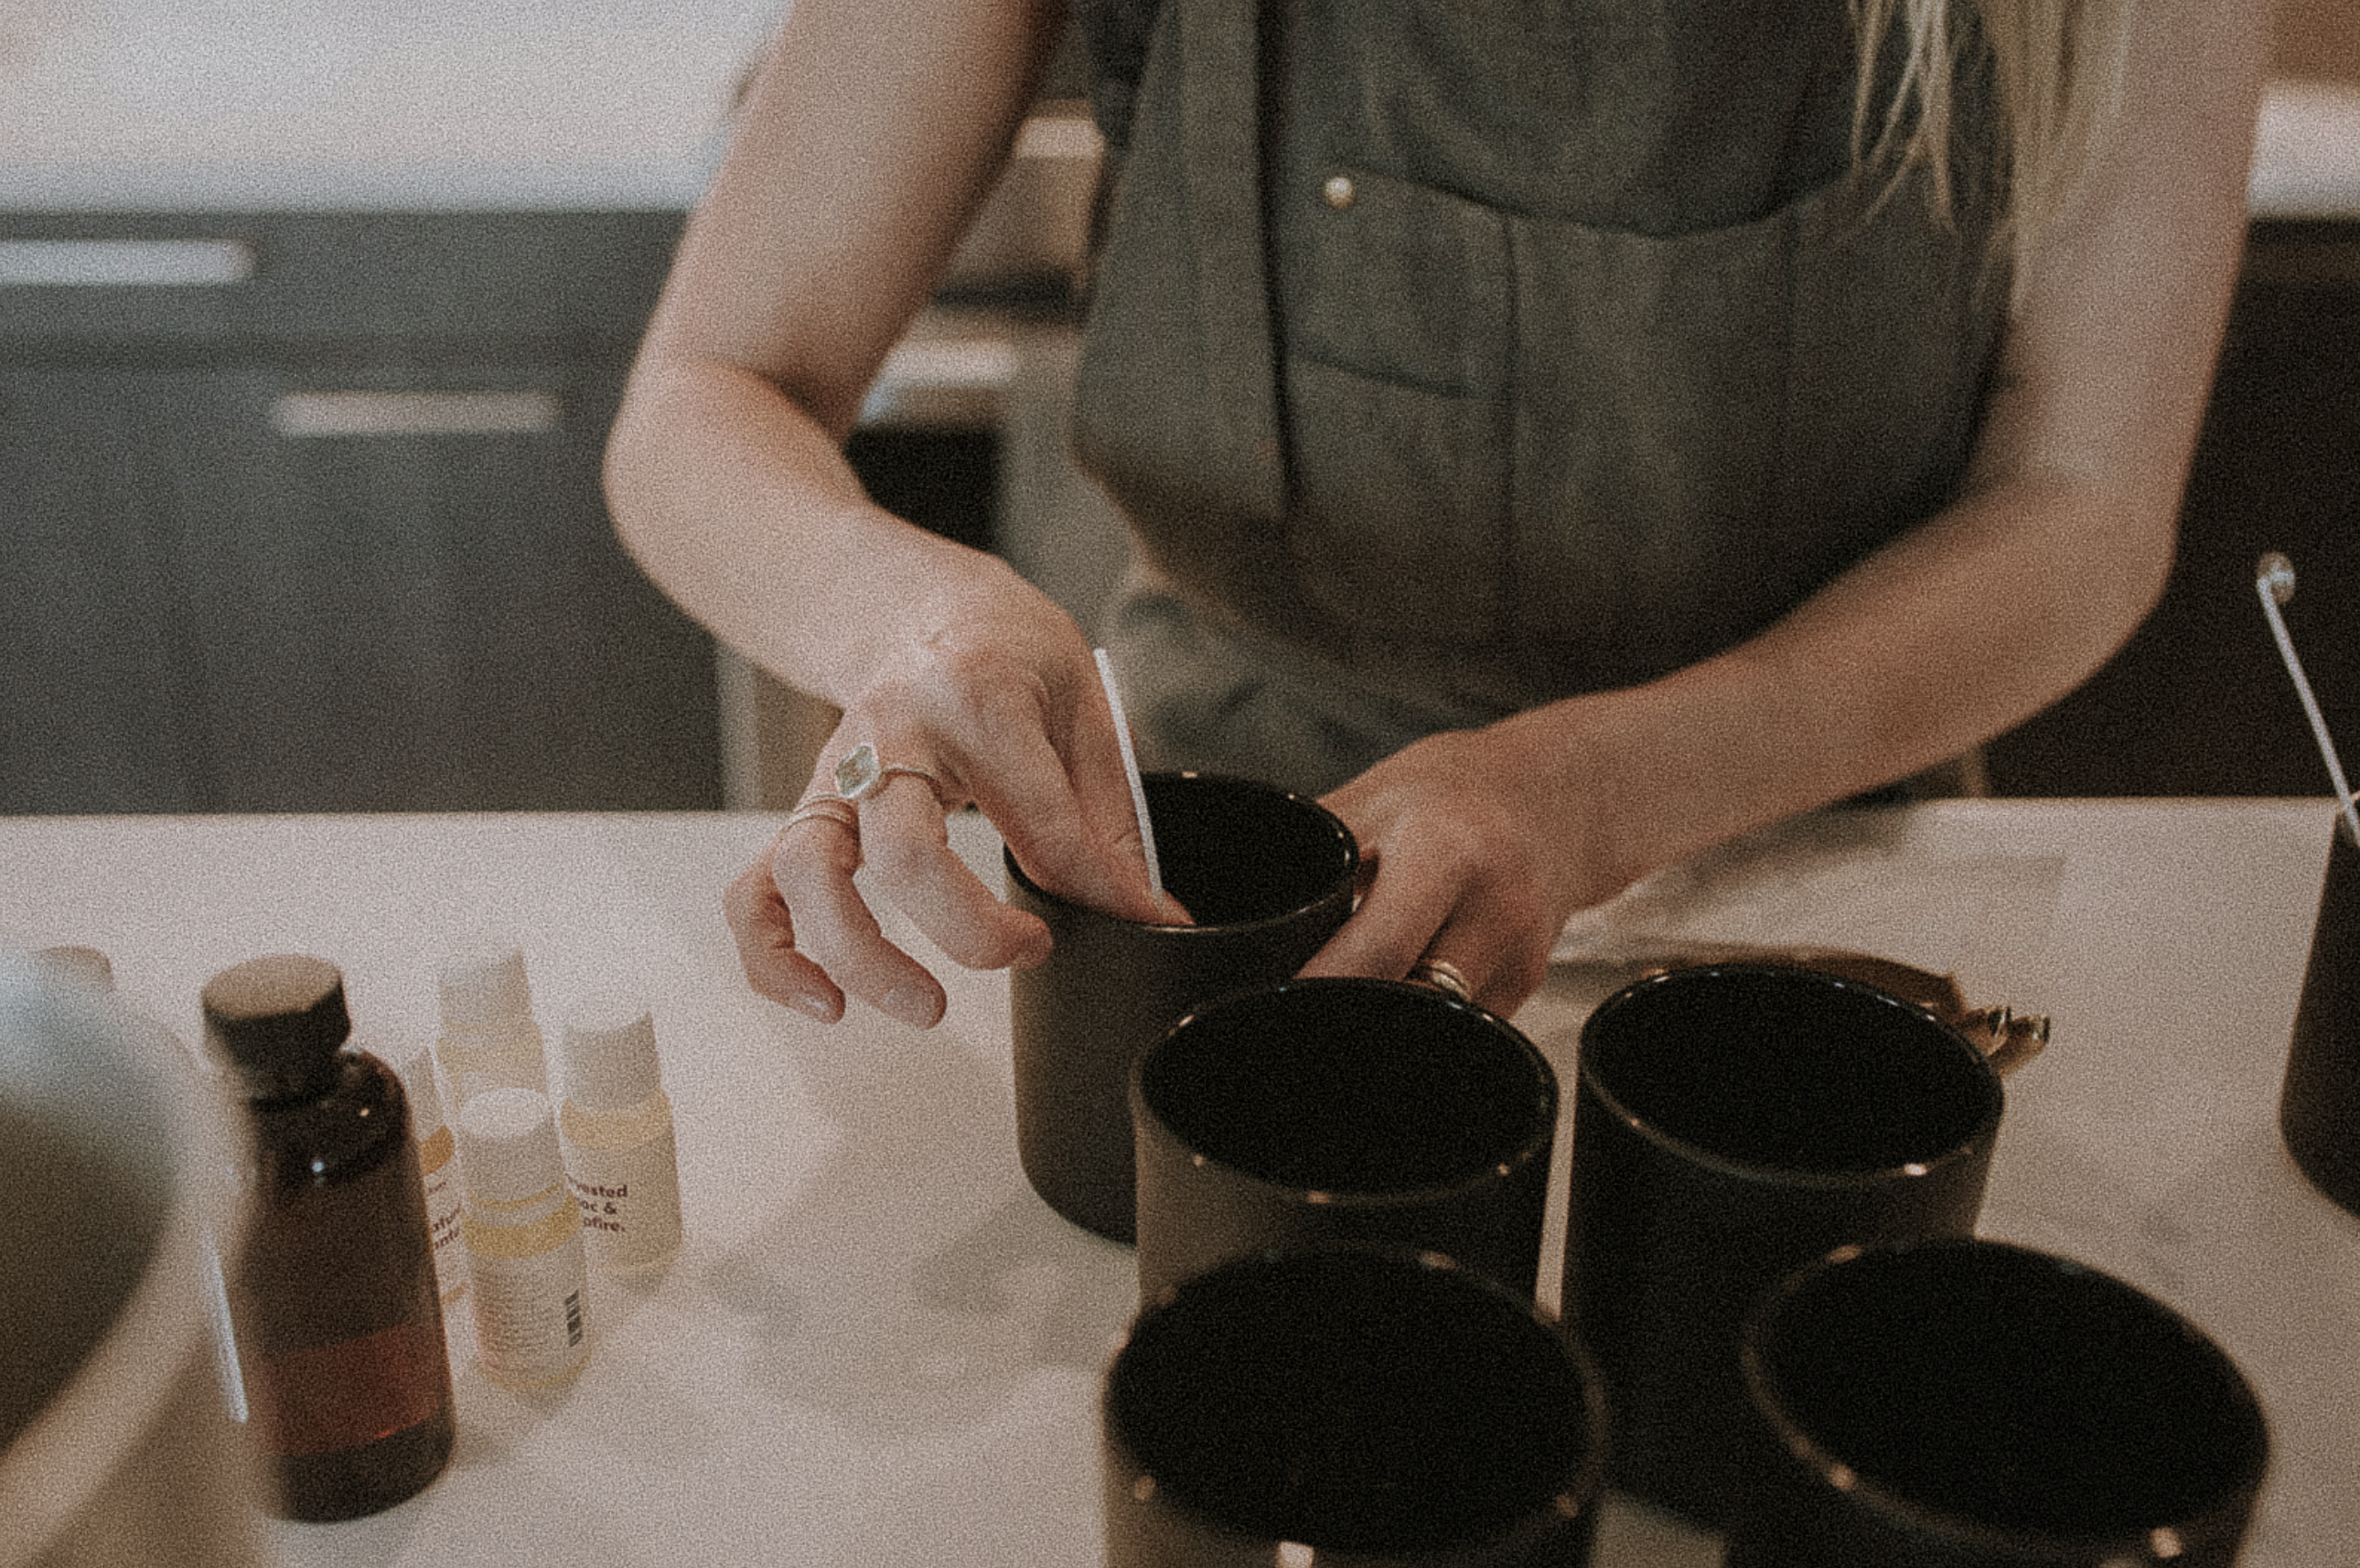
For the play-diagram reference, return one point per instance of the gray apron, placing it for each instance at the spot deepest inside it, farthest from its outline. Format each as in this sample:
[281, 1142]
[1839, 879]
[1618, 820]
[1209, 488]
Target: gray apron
[1450, 357]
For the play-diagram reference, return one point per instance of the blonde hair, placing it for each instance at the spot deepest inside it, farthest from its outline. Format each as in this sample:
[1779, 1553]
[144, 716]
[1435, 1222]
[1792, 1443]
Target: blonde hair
[2055, 69]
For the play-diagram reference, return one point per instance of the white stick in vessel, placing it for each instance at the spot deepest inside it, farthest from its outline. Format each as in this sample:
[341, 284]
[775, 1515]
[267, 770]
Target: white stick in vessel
[1130, 772]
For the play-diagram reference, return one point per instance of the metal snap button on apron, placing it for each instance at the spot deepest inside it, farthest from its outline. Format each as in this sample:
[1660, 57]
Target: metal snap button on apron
[1338, 191]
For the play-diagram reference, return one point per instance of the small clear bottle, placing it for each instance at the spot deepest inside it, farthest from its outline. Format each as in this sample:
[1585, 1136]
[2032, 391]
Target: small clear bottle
[347, 1376]
[438, 1162]
[489, 1039]
[525, 1260]
[615, 1125]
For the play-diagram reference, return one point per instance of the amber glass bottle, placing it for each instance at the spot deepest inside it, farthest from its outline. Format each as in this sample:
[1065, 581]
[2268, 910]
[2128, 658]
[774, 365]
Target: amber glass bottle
[338, 1322]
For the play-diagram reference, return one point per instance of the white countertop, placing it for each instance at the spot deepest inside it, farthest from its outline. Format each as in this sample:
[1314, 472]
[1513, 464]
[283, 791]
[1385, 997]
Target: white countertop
[435, 104]
[878, 1347]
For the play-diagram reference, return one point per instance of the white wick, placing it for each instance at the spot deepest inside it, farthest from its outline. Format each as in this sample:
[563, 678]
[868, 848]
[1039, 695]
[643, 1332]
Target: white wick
[2274, 581]
[1130, 772]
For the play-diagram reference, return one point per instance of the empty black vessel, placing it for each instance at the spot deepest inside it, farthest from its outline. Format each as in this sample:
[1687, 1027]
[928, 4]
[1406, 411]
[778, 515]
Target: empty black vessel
[1960, 1403]
[2319, 1105]
[1731, 1123]
[1368, 1406]
[1337, 1109]
[1267, 876]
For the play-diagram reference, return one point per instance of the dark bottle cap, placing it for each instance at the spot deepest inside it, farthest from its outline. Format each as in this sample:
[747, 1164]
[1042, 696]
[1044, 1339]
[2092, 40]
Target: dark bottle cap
[279, 1020]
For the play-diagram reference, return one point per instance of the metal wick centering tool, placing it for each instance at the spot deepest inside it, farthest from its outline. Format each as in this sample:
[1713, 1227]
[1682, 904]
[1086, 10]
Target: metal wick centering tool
[2274, 581]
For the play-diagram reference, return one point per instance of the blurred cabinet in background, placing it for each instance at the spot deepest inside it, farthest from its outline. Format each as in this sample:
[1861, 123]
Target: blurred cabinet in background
[301, 512]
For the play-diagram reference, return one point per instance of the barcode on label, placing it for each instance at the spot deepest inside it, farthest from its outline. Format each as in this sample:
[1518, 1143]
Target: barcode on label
[573, 1318]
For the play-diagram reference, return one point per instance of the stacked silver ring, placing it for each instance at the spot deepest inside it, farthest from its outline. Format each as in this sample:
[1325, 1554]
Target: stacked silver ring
[826, 806]
[1443, 976]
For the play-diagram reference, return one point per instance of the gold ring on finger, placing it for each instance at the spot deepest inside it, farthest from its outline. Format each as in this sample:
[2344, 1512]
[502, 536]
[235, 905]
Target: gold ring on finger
[1443, 976]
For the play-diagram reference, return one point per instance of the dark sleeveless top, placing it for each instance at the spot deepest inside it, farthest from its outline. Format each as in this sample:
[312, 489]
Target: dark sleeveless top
[1500, 350]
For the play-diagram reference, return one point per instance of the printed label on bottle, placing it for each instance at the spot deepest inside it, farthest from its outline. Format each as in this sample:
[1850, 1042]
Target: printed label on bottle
[443, 1214]
[630, 1201]
[532, 1309]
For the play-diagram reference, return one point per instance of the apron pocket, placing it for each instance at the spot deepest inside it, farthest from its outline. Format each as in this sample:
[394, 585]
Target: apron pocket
[1401, 282]
[1399, 339]
[1713, 425]
[1400, 517]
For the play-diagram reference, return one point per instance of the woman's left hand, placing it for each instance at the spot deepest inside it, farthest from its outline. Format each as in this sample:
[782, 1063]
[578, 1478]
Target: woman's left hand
[1476, 846]
[1482, 842]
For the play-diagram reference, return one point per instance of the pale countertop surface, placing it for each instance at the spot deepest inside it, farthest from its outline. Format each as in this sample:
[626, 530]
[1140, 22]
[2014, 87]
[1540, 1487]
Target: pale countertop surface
[878, 1347]
[433, 104]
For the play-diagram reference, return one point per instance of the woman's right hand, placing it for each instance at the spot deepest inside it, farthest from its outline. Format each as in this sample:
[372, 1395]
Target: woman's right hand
[993, 692]
[867, 141]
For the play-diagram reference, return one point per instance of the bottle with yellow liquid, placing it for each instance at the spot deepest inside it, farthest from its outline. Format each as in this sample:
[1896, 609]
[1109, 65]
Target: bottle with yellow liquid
[525, 1271]
[616, 1126]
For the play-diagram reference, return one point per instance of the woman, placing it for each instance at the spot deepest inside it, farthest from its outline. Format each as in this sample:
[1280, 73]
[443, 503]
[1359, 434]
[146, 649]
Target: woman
[1568, 440]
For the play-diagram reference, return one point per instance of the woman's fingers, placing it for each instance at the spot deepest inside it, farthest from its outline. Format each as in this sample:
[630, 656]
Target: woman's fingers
[837, 947]
[1429, 908]
[1423, 907]
[765, 935]
[905, 845]
[895, 842]
[1474, 881]
[1070, 822]
[813, 866]
[993, 699]
[1402, 904]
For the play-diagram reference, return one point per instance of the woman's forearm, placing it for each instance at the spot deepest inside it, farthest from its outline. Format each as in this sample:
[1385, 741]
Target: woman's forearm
[746, 513]
[861, 153]
[1958, 631]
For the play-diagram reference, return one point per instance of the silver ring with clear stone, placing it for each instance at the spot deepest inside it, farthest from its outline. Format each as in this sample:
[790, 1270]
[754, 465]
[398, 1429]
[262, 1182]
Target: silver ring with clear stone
[861, 774]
